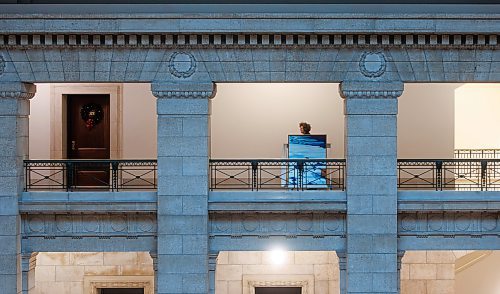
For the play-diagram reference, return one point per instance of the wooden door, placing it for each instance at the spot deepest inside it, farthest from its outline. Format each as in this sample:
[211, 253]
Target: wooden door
[88, 137]
[121, 291]
[278, 290]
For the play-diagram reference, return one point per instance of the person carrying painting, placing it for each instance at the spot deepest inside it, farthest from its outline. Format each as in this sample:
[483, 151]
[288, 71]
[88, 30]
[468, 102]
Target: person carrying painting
[305, 128]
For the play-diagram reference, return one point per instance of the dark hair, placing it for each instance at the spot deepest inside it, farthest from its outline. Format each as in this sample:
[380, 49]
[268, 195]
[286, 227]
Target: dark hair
[305, 126]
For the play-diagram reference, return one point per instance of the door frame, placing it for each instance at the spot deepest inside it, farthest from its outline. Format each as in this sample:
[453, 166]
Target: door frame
[92, 283]
[59, 122]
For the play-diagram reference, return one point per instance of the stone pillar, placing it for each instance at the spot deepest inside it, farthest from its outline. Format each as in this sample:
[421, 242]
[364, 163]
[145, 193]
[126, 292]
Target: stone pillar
[343, 271]
[401, 254]
[154, 257]
[28, 262]
[14, 111]
[212, 265]
[371, 155]
[183, 153]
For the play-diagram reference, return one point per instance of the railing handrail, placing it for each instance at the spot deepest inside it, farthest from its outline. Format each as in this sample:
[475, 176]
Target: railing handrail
[280, 160]
[450, 160]
[88, 160]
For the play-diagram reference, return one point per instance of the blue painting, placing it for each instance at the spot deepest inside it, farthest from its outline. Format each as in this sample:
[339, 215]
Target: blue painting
[307, 147]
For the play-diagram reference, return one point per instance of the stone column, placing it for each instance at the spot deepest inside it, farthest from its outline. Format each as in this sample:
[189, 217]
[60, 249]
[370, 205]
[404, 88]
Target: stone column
[342, 272]
[14, 111]
[212, 265]
[371, 155]
[154, 257]
[28, 262]
[401, 254]
[183, 153]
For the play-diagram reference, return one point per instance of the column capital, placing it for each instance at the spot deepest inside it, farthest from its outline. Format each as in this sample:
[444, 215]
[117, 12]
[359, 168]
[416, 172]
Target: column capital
[17, 90]
[371, 90]
[212, 261]
[154, 257]
[28, 261]
[184, 90]
[342, 256]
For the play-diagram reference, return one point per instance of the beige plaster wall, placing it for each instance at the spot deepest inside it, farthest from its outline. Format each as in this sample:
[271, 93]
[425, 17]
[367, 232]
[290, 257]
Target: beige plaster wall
[254, 120]
[477, 116]
[482, 277]
[139, 122]
[429, 272]
[235, 267]
[426, 121]
[65, 273]
[39, 129]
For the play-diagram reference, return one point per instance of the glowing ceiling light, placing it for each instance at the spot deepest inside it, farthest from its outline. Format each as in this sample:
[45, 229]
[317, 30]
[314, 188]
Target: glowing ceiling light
[278, 256]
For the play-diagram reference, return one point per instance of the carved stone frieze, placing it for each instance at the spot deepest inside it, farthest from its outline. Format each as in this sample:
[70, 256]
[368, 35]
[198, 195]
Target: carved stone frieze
[78, 225]
[2, 65]
[251, 40]
[274, 224]
[449, 223]
[184, 91]
[371, 90]
[17, 90]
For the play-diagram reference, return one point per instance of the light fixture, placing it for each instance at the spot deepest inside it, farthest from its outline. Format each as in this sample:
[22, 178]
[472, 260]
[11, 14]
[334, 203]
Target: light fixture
[278, 256]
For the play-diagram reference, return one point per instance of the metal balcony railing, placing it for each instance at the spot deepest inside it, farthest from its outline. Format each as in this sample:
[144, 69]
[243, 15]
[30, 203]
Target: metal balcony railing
[449, 174]
[477, 154]
[277, 174]
[259, 174]
[83, 175]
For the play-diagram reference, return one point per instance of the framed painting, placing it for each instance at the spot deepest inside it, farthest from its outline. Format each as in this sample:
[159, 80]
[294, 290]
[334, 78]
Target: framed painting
[307, 147]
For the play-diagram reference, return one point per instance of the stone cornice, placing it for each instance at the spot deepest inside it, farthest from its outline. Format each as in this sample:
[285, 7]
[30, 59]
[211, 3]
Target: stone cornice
[183, 90]
[238, 40]
[17, 90]
[371, 90]
[16, 94]
[183, 94]
[371, 94]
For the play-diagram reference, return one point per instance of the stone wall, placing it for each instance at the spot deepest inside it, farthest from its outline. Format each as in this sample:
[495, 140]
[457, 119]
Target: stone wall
[236, 270]
[429, 272]
[68, 273]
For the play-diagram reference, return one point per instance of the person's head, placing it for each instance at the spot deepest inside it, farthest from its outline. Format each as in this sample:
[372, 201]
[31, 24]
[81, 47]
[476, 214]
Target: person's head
[305, 128]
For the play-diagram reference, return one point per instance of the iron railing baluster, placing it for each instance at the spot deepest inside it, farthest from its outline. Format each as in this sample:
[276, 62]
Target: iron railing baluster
[62, 174]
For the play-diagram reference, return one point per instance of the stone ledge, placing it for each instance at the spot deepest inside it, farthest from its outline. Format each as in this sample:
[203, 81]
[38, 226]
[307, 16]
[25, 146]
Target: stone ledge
[448, 200]
[88, 202]
[263, 201]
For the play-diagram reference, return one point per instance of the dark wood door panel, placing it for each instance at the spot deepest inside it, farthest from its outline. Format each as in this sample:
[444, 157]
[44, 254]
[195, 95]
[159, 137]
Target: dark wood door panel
[88, 137]
[121, 291]
[278, 290]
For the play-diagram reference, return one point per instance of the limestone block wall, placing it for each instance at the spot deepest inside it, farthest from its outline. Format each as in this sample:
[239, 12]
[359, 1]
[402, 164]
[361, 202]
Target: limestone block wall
[429, 272]
[67, 273]
[237, 270]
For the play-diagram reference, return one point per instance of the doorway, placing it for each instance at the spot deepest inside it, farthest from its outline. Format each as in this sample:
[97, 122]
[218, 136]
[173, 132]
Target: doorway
[278, 290]
[121, 291]
[88, 137]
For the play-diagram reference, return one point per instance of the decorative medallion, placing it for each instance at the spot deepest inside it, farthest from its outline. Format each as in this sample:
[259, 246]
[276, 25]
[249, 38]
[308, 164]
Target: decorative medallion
[36, 224]
[372, 64]
[409, 223]
[119, 223]
[489, 222]
[92, 114]
[146, 225]
[2, 65]
[305, 222]
[182, 64]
